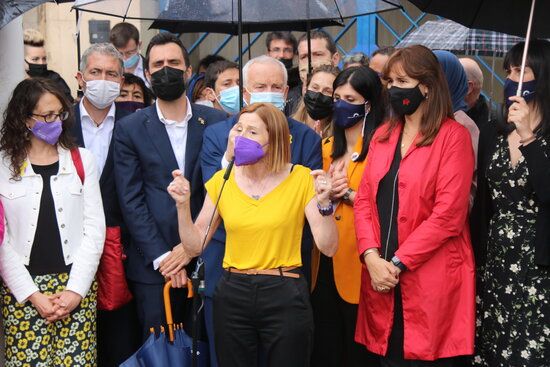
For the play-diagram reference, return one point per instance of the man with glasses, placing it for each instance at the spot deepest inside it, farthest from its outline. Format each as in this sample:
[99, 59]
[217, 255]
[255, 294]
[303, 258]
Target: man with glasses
[125, 38]
[100, 77]
[283, 46]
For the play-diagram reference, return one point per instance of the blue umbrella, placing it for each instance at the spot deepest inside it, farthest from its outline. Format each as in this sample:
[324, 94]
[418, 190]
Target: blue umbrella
[172, 347]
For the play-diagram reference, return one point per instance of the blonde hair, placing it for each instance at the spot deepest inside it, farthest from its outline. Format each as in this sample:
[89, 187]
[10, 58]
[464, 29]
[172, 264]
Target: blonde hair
[278, 150]
[32, 37]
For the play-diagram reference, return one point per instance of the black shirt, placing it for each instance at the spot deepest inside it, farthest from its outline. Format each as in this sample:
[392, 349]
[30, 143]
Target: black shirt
[387, 201]
[47, 253]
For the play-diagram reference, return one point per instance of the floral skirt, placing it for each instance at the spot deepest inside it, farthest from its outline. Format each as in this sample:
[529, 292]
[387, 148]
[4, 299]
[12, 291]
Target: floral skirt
[31, 342]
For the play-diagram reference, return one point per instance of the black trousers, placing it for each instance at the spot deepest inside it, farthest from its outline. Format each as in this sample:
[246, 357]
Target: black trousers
[118, 335]
[262, 312]
[395, 356]
[334, 341]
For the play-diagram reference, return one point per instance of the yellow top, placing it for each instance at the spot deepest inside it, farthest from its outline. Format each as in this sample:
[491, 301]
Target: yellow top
[264, 233]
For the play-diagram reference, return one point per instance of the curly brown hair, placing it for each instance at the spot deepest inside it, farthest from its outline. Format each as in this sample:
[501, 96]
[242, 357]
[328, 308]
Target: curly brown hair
[15, 137]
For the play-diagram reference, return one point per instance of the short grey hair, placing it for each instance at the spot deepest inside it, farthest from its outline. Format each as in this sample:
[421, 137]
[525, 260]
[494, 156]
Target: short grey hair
[103, 49]
[264, 59]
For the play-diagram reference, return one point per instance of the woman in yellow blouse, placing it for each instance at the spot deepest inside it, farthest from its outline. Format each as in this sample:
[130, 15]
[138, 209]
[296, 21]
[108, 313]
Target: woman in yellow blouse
[262, 301]
[358, 110]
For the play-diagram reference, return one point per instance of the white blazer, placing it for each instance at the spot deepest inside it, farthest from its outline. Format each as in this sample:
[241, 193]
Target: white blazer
[80, 220]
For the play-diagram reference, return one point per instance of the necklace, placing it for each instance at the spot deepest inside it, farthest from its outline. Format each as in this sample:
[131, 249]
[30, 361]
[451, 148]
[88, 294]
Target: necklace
[261, 187]
[404, 133]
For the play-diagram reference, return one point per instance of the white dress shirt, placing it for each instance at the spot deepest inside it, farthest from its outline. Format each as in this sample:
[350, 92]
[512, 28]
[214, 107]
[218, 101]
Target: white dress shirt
[97, 138]
[177, 133]
[80, 221]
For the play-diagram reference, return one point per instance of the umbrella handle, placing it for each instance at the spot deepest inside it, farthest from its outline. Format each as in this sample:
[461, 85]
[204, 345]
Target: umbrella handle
[168, 306]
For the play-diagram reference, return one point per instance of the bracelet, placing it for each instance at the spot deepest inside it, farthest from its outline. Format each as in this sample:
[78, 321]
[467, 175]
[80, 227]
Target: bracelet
[370, 251]
[528, 140]
[327, 210]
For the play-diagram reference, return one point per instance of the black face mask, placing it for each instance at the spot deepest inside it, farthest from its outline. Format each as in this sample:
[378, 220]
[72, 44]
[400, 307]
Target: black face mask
[168, 83]
[405, 101]
[287, 63]
[37, 70]
[318, 105]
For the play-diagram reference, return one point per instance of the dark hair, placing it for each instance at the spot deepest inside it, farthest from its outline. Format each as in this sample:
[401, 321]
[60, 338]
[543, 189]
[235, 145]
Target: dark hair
[538, 59]
[419, 63]
[367, 83]
[214, 71]
[163, 39]
[133, 79]
[198, 88]
[122, 33]
[209, 60]
[286, 36]
[386, 51]
[15, 139]
[329, 69]
[320, 34]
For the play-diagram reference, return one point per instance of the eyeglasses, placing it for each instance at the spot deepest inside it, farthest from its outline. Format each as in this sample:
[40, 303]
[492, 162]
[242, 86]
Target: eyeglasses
[51, 117]
[358, 57]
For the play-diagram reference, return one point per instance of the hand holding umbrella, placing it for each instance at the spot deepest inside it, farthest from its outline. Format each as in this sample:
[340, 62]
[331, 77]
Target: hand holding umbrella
[521, 115]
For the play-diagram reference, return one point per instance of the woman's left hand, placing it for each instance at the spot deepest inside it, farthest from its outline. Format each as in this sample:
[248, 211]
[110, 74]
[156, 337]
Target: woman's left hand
[323, 186]
[67, 302]
[520, 115]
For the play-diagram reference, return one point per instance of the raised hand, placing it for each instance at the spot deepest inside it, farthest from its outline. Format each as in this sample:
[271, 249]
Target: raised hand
[323, 185]
[179, 189]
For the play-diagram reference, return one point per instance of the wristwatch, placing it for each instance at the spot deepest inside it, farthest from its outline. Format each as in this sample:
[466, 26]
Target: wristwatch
[347, 195]
[395, 261]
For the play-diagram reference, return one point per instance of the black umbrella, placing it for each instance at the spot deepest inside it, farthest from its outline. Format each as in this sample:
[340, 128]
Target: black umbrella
[506, 16]
[11, 9]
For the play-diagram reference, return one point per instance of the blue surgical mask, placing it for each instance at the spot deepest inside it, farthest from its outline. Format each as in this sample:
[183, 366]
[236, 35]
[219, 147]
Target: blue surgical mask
[229, 100]
[528, 90]
[131, 61]
[277, 99]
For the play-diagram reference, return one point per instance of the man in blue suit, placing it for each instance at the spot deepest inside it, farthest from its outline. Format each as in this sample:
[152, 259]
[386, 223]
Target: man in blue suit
[265, 80]
[149, 145]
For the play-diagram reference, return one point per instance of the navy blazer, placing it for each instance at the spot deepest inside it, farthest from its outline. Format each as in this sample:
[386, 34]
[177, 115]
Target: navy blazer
[144, 161]
[305, 149]
[113, 216]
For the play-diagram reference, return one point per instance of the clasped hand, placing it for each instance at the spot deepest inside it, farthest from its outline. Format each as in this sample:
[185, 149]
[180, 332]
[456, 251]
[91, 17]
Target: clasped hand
[179, 189]
[56, 306]
[383, 274]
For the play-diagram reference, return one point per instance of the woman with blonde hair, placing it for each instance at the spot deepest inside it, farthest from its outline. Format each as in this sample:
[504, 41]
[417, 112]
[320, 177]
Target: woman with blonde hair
[315, 109]
[264, 204]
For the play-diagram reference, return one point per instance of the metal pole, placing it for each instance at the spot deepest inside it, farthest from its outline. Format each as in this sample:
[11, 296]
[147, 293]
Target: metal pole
[77, 39]
[526, 49]
[240, 36]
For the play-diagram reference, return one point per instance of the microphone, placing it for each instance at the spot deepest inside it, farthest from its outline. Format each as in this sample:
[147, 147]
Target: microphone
[228, 171]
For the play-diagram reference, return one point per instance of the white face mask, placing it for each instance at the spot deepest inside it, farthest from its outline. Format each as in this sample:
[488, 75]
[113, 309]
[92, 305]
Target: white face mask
[101, 93]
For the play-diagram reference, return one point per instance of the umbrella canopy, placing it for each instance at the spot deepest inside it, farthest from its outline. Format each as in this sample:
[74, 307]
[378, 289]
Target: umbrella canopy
[451, 36]
[221, 16]
[506, 16]
[11, 9]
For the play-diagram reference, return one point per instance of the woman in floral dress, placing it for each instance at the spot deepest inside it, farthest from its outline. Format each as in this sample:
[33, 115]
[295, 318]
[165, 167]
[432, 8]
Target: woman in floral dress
[511, 221]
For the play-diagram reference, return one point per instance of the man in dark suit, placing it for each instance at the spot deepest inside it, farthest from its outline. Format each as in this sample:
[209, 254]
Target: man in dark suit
[149, 145]
[262, 74]
[95, 120]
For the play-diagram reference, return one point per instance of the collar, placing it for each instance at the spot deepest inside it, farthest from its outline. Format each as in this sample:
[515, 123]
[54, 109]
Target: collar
[65, 163]
[84, 113]
[185, 120]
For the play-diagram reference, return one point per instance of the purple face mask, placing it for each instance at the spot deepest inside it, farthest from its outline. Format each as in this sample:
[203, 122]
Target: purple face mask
[47, 131]
[247, 151]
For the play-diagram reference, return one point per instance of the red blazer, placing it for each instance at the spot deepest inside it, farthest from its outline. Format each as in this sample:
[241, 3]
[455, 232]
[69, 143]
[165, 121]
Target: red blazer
[438, 286]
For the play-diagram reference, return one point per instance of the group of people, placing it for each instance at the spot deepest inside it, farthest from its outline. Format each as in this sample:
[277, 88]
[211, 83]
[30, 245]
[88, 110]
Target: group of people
[377, 215]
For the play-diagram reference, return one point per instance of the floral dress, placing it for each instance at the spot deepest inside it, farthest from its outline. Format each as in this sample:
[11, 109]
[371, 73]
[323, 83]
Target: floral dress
[513, 325]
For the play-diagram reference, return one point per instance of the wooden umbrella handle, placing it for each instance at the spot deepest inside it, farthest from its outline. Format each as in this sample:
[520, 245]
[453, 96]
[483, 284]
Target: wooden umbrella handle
[168, 306]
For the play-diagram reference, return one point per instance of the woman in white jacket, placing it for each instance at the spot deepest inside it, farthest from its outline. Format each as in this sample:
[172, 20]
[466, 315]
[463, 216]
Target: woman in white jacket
[54, 235]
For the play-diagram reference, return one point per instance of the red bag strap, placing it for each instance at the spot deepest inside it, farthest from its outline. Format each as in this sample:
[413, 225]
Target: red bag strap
[77, 161]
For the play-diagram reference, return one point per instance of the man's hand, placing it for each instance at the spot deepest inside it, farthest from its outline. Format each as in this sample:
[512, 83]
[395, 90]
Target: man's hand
[179, 279]
[174, 262]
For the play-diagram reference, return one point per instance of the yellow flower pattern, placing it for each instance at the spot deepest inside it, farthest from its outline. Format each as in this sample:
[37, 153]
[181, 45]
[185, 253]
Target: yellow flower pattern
[70, 342]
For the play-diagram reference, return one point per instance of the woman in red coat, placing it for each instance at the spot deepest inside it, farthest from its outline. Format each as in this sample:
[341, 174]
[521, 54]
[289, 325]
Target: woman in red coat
[417, 304]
